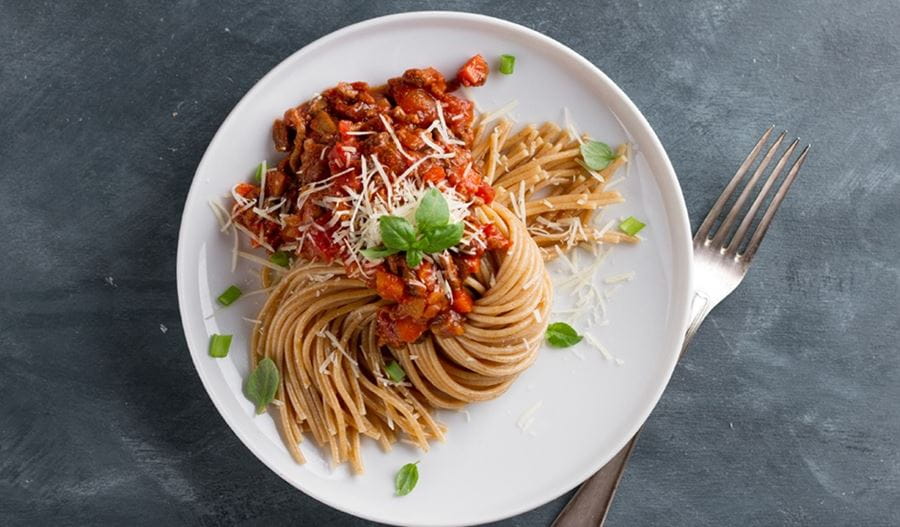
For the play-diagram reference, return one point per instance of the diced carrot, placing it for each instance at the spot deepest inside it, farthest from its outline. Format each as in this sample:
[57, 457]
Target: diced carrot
[462, 301]
[388, 285]
[409, 330]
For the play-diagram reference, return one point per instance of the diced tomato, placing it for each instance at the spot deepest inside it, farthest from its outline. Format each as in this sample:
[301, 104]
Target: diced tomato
[324, 245]
[342, 156]
[471, 264]
[494, 239]
[435, 174]
[409, 330]
[246, 190]
[485, 192]
[474, 72]
[344, 127]
[389, 286]
[462, 301]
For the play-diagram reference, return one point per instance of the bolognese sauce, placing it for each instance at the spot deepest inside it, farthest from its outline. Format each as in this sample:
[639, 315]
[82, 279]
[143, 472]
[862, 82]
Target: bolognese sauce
[356, 143]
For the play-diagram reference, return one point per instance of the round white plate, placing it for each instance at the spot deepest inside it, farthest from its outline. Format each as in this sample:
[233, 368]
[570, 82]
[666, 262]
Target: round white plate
[489, 468]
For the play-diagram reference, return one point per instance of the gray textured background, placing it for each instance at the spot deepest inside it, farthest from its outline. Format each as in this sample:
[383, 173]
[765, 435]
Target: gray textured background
[786, 411]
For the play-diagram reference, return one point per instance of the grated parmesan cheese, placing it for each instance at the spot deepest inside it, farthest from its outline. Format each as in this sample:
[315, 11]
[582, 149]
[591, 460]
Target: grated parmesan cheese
[527, 418]
[621, 277]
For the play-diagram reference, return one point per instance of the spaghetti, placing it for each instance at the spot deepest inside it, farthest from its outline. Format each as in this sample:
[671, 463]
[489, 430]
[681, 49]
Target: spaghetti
[461, 324]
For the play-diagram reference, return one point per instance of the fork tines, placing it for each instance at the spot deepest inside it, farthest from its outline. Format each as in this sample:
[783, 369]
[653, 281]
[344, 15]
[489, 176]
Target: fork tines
[737, 243]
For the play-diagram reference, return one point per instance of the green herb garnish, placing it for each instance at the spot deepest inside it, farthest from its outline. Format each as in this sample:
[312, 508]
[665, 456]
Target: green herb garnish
[406, 479]
[442, 237]
[260, 170]
[597, 155]
[433, 210]
[507, 64]
[229, 296]
[378, 253]
[397, 233]
[631, 226]
[218, 345]
[280, 258]
[561, 335]
[432, 234]
[262, 384]
[395, 372]
[413, 258]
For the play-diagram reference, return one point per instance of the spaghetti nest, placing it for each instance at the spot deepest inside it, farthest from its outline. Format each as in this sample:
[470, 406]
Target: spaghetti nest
[318, 325]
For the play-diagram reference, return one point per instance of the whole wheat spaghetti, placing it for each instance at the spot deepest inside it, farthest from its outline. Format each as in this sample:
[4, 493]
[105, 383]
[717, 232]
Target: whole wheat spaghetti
[377, 323]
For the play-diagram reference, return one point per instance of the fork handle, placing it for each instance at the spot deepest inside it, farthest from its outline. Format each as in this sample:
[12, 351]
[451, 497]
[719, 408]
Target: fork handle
[590, 505]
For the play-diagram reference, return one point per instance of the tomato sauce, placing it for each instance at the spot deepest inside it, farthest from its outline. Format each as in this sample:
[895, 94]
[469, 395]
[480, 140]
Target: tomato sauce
[328, 139]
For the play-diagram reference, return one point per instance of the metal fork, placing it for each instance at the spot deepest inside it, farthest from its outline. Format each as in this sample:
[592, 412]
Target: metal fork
[721, 260]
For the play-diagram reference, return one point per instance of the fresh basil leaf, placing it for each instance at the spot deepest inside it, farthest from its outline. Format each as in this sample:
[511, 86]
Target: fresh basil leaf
[443, 237]
[597, 155]
[377, 253]
[561, 335]
[262, 384]
[413, 258]
[406, 479]
[433, 210]
[395, 371]
[396, 232]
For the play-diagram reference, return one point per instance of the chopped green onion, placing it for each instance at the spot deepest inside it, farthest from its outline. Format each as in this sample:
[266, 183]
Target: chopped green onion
[229, 296]
[280, 258]
[218, 345]
[631, 226]
[260, 170]
[395, 372]
[507, 64]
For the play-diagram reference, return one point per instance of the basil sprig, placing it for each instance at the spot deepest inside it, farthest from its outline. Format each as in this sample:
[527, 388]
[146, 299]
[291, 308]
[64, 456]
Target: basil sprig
[597, 155]
[262, 384]
[406, 479]
[432, 233]
[561, 335]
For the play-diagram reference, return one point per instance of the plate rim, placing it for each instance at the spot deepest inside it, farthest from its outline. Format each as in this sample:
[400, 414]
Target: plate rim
[681, 247]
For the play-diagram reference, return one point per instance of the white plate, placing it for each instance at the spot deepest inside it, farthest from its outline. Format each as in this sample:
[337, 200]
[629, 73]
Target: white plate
[488, 469]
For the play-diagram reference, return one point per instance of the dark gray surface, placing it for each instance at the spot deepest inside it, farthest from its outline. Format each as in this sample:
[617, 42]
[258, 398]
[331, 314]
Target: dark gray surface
[785, 411]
